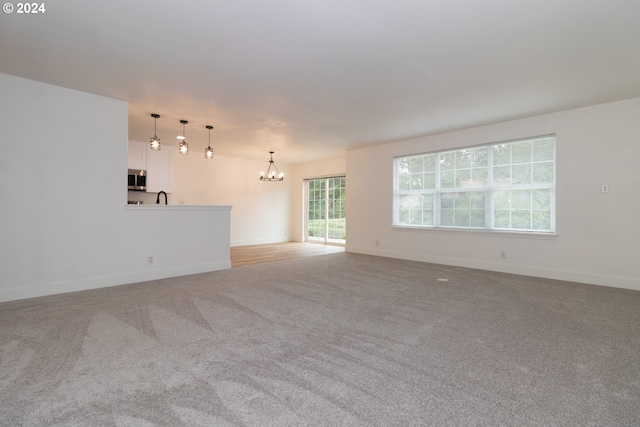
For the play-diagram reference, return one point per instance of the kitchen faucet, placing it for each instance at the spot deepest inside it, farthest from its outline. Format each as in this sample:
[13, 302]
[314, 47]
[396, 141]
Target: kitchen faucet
[158, 198]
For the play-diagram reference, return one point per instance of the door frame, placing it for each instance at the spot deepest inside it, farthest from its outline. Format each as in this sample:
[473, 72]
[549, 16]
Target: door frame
[305, 213]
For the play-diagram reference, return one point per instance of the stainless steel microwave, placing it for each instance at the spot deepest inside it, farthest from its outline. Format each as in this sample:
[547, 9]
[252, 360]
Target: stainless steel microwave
[137, 180]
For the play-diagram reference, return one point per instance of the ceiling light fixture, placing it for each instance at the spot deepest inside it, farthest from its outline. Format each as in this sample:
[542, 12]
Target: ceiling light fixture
[208, 153]
[271, 171]
[154, 143]
[183, 147]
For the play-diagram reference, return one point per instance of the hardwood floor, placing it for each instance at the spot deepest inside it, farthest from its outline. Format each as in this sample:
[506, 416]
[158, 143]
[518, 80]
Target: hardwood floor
[256, 254]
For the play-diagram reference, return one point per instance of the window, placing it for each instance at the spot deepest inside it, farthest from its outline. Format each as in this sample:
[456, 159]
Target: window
[326, 206]
[502, 186]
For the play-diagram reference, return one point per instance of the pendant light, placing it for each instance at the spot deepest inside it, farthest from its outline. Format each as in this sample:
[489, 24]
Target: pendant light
[208, 153]
[273, 174]
[154, 142]
[183, 147]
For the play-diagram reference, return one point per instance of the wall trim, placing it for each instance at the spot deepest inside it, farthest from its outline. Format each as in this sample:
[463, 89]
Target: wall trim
[66, 286]
[249, 242]
[565, 275]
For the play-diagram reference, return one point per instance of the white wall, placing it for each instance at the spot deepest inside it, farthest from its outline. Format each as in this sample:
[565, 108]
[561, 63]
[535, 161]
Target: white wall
[65, 224]
[302, 171]
[598, 235]
[261, 210]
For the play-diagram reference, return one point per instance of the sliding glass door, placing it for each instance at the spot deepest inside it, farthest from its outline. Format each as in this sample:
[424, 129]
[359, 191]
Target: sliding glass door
[325, 215]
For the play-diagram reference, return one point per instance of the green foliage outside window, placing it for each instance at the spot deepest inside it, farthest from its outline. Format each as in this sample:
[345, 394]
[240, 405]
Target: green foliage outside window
[327, 209]
[505, 186]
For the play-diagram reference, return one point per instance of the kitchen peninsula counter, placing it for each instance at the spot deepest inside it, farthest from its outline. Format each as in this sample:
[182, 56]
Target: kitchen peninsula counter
[154, 207]
[176, 240]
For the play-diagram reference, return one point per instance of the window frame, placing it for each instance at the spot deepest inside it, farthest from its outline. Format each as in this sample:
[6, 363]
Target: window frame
[490, 190]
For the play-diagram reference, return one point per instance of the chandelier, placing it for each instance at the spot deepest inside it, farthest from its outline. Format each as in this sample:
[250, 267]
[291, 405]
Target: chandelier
[273, 174]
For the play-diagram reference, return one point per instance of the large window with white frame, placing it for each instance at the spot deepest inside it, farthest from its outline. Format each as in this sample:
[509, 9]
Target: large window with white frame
[506, 186]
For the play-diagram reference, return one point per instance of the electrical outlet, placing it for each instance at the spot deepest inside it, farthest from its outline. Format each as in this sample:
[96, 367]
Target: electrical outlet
[605, 188]
[149, 260]
[503, 254]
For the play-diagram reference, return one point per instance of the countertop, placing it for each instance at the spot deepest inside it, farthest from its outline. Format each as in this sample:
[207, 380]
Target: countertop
[154, 207]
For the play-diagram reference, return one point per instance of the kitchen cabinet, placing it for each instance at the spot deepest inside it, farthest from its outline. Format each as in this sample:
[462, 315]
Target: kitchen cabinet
[159, 170]
[137, 155]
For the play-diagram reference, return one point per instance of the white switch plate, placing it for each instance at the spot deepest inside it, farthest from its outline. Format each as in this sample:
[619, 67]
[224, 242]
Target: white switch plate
[605, 188]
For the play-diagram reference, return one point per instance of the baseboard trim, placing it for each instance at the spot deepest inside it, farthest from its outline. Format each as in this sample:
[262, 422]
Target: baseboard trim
[66, 286]
[570, 276]
[258, 242]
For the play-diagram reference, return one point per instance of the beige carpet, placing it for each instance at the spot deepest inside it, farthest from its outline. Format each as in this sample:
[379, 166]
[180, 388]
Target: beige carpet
[334, 340]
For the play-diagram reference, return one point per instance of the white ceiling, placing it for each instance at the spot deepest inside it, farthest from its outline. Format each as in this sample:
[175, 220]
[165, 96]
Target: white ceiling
[312, 78]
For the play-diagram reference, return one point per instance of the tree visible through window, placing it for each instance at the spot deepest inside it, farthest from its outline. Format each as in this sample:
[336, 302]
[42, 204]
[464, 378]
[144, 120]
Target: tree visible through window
[503, 186]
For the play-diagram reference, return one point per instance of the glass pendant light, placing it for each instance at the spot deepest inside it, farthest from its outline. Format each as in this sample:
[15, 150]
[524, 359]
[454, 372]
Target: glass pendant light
[273, 174]
[208, 153]
[154, 142]
[183, 147]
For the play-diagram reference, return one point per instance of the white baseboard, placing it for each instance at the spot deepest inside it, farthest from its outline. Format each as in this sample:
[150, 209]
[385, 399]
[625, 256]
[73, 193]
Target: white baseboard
[258, 241]
[84, 284]
[570, 276]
